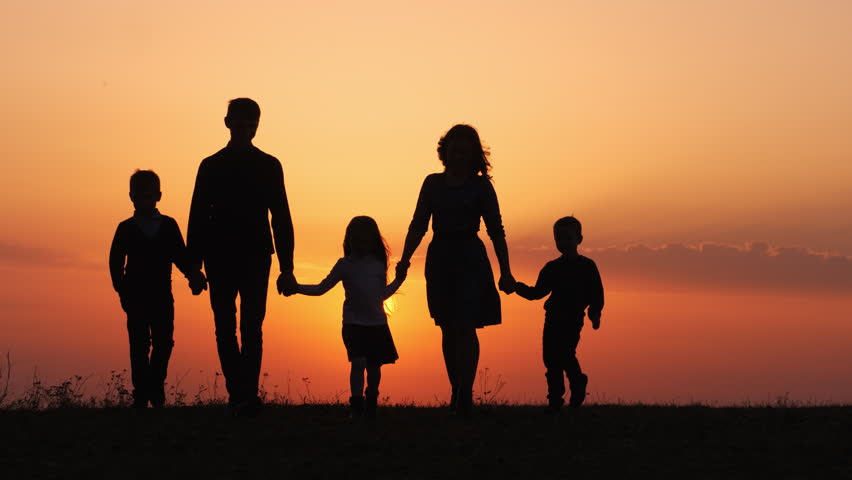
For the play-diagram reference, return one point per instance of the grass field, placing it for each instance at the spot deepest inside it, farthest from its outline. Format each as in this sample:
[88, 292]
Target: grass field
[319, 441]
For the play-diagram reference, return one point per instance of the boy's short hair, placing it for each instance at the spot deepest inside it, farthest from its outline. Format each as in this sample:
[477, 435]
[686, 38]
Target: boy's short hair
[143, 180]
[568, 222]
[243, 108]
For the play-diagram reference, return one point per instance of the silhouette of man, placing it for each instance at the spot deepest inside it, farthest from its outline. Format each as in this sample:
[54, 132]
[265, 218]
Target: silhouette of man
[236, 190]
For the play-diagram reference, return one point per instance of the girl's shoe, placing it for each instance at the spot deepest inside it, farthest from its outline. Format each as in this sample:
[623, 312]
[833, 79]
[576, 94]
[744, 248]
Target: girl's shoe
[356, 407]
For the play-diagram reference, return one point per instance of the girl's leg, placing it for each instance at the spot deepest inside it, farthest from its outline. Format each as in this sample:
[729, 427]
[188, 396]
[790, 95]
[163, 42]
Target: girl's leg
[356, 385]
[374, 376]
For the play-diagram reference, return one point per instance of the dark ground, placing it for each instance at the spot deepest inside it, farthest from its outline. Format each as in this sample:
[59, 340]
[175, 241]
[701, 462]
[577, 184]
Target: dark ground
[518, 442]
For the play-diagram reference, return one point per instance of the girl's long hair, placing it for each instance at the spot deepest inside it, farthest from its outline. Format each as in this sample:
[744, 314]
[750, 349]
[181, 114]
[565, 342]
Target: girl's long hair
[466, 132]
[378, 247]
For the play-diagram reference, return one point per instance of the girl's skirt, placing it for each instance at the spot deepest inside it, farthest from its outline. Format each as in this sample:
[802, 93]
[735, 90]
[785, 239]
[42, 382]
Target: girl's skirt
[371, 342]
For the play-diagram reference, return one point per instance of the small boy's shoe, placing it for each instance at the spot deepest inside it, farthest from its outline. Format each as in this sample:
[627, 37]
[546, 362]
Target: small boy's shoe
[578, 390]
[554, 406]
[356, 407]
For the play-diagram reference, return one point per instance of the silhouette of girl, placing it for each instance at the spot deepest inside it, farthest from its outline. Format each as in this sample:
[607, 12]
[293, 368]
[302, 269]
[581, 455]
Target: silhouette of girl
[363, 271]
[460, 286]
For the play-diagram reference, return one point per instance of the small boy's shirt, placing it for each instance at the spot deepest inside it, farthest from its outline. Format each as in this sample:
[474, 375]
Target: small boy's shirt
[573, 283]
[141, 257]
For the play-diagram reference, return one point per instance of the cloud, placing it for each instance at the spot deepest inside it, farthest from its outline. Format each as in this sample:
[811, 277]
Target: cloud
[13, 254]
[749, 266]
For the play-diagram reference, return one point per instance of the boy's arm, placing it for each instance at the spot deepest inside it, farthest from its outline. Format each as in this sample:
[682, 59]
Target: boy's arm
[330, 281]
[541, 289]
[117, 257]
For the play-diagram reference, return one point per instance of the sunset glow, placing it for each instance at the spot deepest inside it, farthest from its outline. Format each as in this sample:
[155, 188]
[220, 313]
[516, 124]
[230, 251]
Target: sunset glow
[704, 145]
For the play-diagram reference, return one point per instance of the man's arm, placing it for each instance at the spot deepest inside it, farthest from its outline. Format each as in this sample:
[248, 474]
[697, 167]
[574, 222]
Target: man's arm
[282, 230]
[198, 227]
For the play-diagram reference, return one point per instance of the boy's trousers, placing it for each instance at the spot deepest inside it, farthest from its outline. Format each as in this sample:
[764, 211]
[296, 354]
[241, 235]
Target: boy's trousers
[150, 329]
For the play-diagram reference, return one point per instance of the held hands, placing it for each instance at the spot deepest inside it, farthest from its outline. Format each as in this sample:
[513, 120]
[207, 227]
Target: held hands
[402, 269]
[197, 282]
[507, 283]
[596, 319]
[287, 284]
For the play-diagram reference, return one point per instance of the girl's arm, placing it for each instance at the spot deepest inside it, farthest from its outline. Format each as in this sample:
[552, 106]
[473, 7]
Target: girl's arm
[392, 287]
[330, 281]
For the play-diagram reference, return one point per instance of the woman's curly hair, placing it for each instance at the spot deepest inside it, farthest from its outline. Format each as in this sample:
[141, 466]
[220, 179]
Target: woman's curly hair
[466, 132]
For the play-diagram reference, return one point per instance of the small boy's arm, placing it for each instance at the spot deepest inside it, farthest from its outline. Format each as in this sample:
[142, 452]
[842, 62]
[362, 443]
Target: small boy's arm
[540, 290]
[117, 256]
[596, 303]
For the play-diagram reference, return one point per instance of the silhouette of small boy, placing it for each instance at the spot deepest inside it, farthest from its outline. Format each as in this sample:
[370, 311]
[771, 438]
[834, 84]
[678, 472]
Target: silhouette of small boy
[140, 263]
[574, 284]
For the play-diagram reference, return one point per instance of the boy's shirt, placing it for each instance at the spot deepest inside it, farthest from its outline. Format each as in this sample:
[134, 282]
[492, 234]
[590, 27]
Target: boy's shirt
[573, 283]
[141, 257]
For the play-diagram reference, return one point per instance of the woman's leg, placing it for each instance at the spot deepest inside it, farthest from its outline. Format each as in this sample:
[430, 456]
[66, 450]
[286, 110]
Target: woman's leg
[449, 348]
[467, 360]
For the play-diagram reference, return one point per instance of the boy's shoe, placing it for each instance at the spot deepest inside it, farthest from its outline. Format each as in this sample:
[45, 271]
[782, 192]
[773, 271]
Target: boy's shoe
[356, 407]
[578, 390]
[249, 408]
[139, 401]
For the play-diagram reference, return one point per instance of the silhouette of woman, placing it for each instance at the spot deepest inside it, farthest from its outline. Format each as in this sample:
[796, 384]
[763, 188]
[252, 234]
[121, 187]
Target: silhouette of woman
[460, 286]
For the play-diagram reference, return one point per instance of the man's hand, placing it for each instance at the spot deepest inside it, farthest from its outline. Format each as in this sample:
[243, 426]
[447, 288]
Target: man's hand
[287, 284]
[197, 282]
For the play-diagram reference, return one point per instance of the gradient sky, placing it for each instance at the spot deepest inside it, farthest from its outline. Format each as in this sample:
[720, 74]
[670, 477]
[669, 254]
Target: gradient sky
[704, 145]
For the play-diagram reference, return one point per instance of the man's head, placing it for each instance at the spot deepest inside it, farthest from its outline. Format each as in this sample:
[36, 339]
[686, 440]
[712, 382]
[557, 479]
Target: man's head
[242, 119]
[568, 233]
[145, 190]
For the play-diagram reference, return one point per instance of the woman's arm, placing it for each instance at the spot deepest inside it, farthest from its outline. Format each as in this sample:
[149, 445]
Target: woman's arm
[494, 226]
[418, 226]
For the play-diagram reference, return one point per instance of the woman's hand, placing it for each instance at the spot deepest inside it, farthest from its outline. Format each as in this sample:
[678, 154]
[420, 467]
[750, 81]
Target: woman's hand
[507, 283]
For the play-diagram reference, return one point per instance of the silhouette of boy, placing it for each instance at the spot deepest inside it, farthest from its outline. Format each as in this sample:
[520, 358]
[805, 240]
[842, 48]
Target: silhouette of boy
[140, 263]
[574, 284]
[237, 190]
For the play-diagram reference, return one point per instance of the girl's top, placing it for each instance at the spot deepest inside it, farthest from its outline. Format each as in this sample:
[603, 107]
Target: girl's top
[366, 289]
[456, 210]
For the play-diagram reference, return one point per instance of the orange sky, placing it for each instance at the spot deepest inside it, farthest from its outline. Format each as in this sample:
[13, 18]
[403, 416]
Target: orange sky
[657, 123]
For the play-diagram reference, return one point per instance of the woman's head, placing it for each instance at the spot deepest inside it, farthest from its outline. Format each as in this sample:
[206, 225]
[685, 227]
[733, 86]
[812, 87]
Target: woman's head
[364, 239]
[460, 148]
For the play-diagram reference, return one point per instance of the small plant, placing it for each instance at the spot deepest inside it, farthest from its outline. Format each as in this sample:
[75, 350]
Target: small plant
[5, 379]
[116, 394]
[489, 392]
